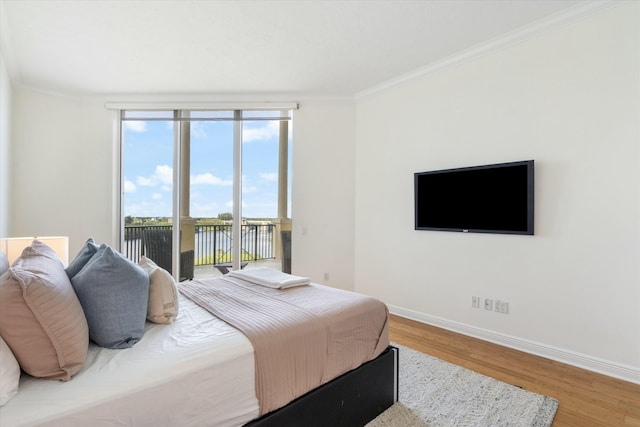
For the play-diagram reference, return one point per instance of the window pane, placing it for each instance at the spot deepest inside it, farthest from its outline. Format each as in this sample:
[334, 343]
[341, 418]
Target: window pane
[148, 190]
[260, 187]
[148, 168]
[260, 141]
[211, 191]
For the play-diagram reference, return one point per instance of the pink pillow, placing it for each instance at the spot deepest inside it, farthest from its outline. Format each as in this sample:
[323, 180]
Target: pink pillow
[41, 318]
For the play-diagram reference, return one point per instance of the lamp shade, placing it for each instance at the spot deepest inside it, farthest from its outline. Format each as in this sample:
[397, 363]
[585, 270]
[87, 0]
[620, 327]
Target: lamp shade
[13, 246]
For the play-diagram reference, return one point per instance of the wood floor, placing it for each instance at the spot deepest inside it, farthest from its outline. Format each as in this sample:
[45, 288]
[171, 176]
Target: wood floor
[586, 399]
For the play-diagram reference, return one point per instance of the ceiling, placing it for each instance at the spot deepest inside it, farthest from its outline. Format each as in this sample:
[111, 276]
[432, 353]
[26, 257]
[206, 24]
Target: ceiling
[336, 48]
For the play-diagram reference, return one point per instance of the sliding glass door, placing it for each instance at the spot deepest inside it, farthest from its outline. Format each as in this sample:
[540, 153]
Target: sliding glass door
[221, 176]
[147, 141]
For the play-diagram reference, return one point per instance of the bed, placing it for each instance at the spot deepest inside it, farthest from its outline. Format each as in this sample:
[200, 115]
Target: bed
[199, 370]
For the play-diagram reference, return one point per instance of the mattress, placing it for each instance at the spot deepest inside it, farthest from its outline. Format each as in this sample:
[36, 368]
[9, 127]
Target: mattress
[198, 371]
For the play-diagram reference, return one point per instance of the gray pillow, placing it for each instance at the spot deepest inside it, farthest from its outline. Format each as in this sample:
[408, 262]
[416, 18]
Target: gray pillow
[84, 255]
[113, 292]
[4, 263]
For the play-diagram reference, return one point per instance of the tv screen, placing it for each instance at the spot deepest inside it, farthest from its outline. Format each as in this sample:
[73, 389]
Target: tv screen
[494, 198]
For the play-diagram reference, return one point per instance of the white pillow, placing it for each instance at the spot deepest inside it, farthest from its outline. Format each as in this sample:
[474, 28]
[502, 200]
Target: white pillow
[9, 373]
[163, 293]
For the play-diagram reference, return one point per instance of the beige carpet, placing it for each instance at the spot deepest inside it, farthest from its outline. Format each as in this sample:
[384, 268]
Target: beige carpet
[397, 416]
[436, 393]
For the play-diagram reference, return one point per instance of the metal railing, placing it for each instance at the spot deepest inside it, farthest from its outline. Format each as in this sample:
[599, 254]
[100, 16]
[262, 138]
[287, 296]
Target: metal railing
[213, 244]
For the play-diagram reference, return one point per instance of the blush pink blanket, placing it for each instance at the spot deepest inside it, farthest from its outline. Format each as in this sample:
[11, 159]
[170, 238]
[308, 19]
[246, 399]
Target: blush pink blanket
[302, 337]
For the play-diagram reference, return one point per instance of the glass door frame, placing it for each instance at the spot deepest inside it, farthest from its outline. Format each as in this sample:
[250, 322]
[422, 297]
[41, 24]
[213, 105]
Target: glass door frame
[181, 117]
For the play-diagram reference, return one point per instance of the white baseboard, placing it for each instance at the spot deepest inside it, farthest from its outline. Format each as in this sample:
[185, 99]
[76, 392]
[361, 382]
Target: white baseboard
[605, 367]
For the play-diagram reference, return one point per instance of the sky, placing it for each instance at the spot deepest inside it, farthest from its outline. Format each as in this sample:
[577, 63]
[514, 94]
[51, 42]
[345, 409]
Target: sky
[148, 171]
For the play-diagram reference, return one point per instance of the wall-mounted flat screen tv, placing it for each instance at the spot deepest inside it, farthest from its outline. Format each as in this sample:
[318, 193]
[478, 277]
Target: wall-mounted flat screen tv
[495, 198]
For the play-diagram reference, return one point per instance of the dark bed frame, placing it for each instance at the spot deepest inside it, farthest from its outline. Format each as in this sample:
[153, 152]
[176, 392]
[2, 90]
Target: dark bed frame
[351, 400]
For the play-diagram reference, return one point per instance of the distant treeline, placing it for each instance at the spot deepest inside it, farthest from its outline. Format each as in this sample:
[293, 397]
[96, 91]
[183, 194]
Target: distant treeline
[222, 218]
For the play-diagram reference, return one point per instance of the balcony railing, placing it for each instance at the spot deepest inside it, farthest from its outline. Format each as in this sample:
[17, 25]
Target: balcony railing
[213, 244]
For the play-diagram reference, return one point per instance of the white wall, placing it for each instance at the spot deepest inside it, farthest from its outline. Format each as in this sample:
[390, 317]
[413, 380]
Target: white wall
[63, 168]
[323, 187]
[5, 148]
[569, 100]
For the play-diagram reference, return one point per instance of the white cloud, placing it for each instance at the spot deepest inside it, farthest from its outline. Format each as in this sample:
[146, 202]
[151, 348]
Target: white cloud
[204, 210]
[135, 126]
[198, 130]
[247, 185]
[129, 186]
[156, 196]
[145, 182]
[209, 179]
[147, 208]
[269, 176]
[163, 175]
[259, 209]
[269, 131]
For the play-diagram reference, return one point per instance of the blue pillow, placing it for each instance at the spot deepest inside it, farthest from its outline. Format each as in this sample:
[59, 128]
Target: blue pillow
[84, 255]
[113, 292]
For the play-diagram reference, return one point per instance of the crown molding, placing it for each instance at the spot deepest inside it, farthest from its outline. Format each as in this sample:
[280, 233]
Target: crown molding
[503, 41]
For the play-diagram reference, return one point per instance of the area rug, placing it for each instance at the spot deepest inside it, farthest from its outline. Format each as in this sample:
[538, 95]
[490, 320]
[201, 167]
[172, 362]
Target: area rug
[436, 393]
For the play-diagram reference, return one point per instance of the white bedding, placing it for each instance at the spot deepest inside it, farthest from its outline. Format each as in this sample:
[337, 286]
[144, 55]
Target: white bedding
[198, 371]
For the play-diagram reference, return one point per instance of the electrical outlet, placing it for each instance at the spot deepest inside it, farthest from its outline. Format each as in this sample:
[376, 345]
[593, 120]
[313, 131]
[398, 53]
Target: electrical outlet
[326, 277]
[488, 304]
[502, 307]
[475, 302]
